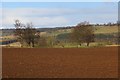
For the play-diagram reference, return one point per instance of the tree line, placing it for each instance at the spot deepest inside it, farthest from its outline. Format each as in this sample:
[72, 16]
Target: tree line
[28, 35]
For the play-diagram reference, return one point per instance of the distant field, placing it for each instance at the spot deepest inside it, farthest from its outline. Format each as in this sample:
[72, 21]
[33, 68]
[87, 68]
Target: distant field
[97, 29]
[60, 63]
[101, 32]
[106, 29]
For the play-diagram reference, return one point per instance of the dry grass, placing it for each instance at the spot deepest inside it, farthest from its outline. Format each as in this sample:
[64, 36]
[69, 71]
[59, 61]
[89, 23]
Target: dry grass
[106, 29]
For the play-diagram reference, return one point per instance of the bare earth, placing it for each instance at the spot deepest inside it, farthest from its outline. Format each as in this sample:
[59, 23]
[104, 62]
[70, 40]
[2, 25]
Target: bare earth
[60, 63]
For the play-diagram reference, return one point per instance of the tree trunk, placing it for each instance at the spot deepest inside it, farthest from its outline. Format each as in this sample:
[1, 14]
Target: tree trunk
[33, 45]
[80, 44]
[87, 43]
[29, 44]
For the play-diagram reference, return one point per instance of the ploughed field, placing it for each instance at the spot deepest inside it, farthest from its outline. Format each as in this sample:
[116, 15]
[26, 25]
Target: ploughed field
[60, 62]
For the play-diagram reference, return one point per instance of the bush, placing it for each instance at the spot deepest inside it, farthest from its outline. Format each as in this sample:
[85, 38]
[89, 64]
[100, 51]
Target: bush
[42, 42]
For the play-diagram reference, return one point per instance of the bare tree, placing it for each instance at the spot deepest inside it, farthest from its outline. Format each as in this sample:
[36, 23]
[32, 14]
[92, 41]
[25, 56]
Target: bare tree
[83, 33]
[26, 33]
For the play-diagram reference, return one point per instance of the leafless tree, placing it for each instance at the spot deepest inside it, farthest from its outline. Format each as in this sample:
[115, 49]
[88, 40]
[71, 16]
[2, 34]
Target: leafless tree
[83, 33]
[26, 33]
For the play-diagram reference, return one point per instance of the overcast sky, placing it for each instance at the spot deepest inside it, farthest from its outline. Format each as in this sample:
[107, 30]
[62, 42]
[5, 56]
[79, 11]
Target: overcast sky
[58, 14]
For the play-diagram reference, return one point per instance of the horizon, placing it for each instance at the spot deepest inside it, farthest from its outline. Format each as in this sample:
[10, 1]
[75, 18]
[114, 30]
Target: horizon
[62, 14]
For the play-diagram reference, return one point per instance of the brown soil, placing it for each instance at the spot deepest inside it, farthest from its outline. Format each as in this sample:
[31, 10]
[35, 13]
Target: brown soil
[60, 63]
